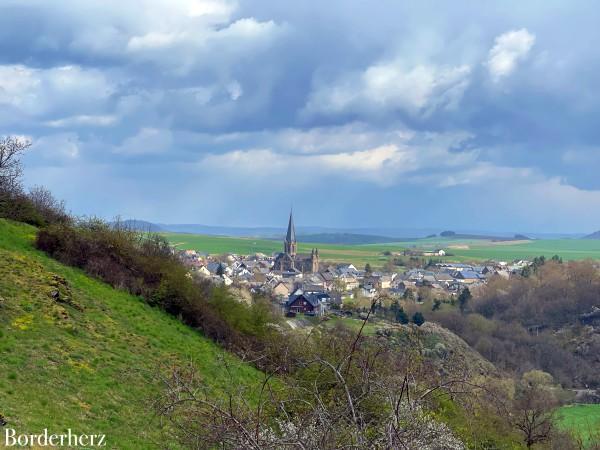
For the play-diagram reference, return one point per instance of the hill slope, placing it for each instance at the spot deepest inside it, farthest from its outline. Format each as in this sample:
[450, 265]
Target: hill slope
[594, 235]
[139, 225]
[75, 353]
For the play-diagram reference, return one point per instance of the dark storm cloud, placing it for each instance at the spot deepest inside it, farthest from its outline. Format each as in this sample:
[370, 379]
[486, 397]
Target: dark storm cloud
[219, 112]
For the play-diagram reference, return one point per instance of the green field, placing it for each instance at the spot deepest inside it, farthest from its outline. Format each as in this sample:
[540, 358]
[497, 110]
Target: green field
[357, 254]
[568, 249]
[91, 364]
[582, 420]
[460, 250]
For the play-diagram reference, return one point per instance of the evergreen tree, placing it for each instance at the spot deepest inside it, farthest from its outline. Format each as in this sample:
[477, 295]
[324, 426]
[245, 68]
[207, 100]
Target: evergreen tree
[463, 299]
[418, 319]
[538, 262]
[368, 269]
[401, 316]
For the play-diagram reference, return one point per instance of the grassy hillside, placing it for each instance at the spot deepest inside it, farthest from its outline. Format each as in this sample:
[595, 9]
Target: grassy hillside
[461, 249]
[87, 359]
[581, 420]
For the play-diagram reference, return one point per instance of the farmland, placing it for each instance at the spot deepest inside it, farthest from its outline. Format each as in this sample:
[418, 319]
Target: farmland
[357, 254]
[582, 420]
[459, 250]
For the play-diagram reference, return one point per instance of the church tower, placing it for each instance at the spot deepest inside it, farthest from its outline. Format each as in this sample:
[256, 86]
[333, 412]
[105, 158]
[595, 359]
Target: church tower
[289, 244]
[314, 260]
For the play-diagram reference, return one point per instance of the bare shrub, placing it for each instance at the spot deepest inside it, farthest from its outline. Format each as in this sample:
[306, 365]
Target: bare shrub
[11, 150]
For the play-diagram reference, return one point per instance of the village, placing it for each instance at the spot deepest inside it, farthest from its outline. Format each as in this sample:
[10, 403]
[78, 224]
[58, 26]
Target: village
[303, 284]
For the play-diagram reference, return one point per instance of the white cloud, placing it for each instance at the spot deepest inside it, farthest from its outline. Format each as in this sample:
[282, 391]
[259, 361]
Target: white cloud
[386, 159]
[82, 120]
[509, 48]
[147, 141]
[183, 42]
[153, 40]
[57, 148]
[390, 86]
[235, 90]
[37, 92]
[374, 165]
[481, 172]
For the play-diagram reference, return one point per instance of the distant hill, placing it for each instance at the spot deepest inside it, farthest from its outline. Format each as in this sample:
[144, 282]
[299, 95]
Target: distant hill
[347, 238]
[139, 225]
[594, 235]
[381, 234]
[453, 235]
[193, 228]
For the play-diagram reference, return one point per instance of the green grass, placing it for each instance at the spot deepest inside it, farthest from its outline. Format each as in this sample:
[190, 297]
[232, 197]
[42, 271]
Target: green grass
[581, 420]
[359, 255]
[353, 324]
[568, 249]
[94, 370]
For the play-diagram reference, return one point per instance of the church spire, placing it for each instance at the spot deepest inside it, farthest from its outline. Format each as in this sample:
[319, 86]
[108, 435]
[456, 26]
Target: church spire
[289, 244]
[291, 230]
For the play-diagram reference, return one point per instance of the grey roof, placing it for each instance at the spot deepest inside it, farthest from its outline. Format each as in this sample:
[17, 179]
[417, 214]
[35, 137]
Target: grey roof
[442, 276]
[468, 275]
[291, 231]
[314, 298]
[213, 266]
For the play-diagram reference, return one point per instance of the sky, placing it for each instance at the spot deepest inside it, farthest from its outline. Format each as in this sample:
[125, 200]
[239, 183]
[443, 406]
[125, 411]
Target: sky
[457, 115]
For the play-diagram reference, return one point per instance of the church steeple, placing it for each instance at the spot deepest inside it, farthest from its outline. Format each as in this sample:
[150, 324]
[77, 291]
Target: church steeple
[289, 244]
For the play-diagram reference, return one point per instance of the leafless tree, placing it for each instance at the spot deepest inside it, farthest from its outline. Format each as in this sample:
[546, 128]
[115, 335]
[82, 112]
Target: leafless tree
[345, 392]
[533, 415]
[11, 149]
[47, 205]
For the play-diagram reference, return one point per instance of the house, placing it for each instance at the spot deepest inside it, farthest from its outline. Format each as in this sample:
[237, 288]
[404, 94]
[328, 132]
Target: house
[315, 280]
[223, 279]
[282, 289]
[443, 278]
[212, 267]
[344, 269]
[368, 291]
[467, 276]
[427, 280]
[309, 303]
[202, 270]
[503, 273]
[369, 283]
[455, 267]
[243, 272]
[328, 279]
[437, 252]
[350, 281]
[307, 286]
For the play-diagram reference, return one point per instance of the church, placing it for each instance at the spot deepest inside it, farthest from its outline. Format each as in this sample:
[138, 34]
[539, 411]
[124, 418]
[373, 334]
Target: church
[290, 260]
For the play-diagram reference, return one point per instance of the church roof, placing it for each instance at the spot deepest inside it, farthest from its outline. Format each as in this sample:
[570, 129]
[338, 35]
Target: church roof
[291, 231]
